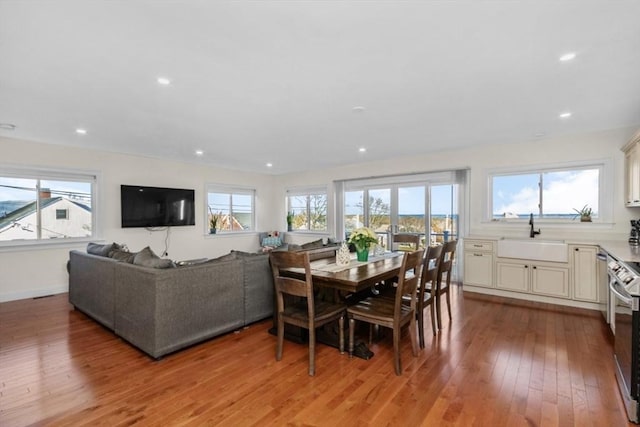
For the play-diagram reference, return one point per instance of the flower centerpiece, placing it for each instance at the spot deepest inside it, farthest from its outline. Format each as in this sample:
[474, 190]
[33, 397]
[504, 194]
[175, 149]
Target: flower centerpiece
[362, 238]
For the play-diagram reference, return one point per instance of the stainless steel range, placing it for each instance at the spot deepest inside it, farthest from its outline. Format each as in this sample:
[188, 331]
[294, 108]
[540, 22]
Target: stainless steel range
[624, 284]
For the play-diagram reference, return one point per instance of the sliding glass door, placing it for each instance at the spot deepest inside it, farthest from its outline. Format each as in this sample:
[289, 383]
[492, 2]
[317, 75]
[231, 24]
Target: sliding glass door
[402, 208]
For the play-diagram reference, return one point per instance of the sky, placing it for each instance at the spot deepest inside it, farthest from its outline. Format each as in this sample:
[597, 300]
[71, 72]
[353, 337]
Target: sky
[562, 192]
[410, 199]
[17, 194]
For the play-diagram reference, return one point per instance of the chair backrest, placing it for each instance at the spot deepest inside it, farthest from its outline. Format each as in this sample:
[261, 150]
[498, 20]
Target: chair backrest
[446, 259]
[408, 279]
[430, 270]
[405, 239]
[281, 260]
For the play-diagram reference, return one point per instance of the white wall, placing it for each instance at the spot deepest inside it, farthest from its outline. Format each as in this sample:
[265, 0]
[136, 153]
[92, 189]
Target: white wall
[585, 147]
[28, 273]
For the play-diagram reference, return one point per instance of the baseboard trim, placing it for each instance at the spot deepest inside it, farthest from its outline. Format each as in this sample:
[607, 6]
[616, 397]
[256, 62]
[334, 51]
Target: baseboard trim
[531, 297]
[33, 293]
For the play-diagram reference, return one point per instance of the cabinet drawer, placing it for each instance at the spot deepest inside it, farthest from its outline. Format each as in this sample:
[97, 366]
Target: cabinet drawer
[478, 245]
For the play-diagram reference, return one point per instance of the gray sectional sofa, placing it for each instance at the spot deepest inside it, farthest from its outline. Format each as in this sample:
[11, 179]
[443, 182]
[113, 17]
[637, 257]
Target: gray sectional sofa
[161, 310]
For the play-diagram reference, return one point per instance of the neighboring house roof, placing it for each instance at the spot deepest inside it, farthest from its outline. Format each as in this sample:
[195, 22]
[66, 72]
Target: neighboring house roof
[27, 208]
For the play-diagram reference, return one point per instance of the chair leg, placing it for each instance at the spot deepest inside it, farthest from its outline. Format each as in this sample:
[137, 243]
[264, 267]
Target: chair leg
[312, 351]
[352, 327]
[438, 304]
[420, 314]
[396, 349]
[341, 326]
[412, 333]
[280, 342]
[433, 318]
[449, 300]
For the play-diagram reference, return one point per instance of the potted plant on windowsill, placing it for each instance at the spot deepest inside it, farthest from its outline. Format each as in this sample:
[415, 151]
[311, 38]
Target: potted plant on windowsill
[289, 221]
[584, 213]
[213, 221]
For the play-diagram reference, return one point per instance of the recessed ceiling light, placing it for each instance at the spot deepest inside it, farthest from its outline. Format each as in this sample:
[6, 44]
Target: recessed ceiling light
[7, 126]
[567, 57]
[358, 109]
[362, 149]
[269, 165]
[199, 152]
[81, 131]
[565, 115]
[539, 134]
[164, 81]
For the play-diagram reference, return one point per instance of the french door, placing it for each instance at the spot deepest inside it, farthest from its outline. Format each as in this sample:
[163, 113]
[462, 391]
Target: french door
[428, 209]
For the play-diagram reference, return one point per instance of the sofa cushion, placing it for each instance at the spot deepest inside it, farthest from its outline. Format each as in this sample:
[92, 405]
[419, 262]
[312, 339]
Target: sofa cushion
[146, 258]
[101, 250]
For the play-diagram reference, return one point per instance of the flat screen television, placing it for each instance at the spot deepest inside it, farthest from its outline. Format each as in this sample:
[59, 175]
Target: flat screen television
[156, 207]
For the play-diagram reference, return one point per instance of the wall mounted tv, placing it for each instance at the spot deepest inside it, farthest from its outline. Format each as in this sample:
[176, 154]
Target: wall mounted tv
[156, 207]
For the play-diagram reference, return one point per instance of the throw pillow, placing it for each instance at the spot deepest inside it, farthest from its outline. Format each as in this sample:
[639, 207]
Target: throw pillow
[273, 242]
[124, 256]
[101, 250]
[313, 245]
[147, 258]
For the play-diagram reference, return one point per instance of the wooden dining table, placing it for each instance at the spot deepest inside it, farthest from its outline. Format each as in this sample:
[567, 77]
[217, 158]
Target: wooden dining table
[355, 277]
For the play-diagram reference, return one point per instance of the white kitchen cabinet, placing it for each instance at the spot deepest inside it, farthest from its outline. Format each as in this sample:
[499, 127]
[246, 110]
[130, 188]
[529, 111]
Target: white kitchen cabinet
[478, 263]
[552, 281]
[632, 171]
[585, 273]
[533, 277]
[512, 276]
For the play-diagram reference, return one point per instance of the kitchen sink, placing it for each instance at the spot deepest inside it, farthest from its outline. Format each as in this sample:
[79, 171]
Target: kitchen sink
[534, 249]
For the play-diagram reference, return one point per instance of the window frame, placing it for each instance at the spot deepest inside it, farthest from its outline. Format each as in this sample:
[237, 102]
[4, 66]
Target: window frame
[93, 177]
[605, 190]
[308, 192]
[230, 190]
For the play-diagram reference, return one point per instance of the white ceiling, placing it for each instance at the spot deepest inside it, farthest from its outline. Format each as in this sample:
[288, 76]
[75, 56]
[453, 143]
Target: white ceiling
[277, 81]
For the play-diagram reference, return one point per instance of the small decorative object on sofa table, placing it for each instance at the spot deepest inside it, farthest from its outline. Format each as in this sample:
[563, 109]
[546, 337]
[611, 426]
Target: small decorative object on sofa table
[362, 238]
[342, 255]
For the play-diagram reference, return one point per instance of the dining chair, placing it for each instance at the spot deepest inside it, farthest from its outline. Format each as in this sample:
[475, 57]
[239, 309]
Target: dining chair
[427, 290]
[296, 305]
[405, 242]
[444, 285]
[391, 312]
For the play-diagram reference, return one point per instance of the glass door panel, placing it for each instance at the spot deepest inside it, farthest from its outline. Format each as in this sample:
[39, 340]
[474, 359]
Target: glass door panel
[443, 213]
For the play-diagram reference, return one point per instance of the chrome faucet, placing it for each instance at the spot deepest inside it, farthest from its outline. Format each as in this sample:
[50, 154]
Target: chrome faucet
[532, 232]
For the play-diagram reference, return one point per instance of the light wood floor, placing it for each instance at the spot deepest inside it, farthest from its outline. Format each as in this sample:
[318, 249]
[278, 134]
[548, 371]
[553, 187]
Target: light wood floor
[501, 362]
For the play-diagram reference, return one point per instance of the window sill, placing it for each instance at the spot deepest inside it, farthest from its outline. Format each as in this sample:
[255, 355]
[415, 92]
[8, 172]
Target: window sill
[39, 245]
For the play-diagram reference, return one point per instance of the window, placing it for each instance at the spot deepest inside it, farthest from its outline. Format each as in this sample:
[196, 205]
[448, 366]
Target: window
[62, 214]
[32, 203]
[233, 206]
[548, 194]
[309, 209]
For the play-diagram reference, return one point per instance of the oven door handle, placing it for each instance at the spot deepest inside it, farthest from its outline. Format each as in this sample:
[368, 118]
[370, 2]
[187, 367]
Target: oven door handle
[614, 288]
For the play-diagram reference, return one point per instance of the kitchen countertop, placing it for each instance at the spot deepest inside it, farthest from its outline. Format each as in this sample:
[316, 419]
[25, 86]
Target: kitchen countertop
[621, 250]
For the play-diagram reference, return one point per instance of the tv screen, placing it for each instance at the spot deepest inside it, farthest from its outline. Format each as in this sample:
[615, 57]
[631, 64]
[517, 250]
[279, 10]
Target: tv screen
[156, 207]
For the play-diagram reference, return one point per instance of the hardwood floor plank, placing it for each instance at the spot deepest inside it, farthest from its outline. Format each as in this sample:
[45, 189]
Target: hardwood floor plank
[499, 362]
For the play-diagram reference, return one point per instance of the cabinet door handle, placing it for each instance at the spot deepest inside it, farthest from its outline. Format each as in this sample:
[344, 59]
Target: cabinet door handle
[576, 249]
[526, 266]
[534, 267]
[477, 254]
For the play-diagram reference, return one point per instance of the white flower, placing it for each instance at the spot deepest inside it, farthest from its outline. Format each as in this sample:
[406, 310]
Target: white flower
[363, 237]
